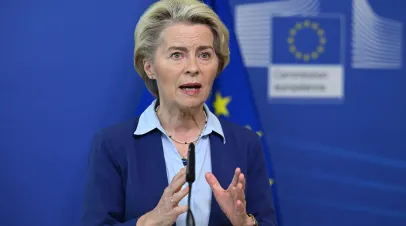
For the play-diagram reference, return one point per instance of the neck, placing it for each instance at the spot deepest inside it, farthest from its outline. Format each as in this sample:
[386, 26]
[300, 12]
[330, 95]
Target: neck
[184, 124]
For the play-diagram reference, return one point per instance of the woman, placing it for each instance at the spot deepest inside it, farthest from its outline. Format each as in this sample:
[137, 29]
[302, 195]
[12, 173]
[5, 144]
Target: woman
[136, 170]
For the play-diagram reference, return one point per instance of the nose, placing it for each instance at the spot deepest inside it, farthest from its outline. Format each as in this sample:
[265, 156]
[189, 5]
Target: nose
[192, 67]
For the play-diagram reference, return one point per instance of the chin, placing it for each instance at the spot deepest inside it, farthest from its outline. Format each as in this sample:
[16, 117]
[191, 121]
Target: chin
[191, 103]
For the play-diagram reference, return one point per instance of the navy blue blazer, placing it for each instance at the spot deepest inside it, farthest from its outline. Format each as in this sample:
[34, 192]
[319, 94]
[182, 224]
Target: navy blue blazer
[127, 175]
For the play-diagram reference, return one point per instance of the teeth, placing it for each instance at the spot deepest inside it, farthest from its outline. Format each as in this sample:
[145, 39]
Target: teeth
[189, 88]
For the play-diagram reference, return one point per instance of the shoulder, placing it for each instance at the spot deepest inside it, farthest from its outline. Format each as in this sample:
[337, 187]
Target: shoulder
[119, 130]
[236, 133]
[110, 143]
[114, 135]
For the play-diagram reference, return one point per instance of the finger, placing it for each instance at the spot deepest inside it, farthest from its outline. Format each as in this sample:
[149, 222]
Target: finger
[175, 186]
[180, 174]
[235, 178]
[213, 182]
[241, 179]
[177, 197]
[233, 194]
[239, 193]
[177, 182]
[179, 210]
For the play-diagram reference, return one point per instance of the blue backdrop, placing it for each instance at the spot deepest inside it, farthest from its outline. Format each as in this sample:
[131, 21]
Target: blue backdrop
[337, 161]
[337, 148]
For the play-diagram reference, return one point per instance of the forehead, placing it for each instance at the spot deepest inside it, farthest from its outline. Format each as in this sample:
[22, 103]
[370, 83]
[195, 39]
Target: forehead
[188, 35]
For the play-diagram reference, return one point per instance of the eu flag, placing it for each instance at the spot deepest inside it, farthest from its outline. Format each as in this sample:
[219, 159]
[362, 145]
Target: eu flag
[232, 97]
[307, 40]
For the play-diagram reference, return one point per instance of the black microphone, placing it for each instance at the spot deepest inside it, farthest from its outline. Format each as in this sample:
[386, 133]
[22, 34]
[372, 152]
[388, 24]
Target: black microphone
[190, 178]
[190, 168]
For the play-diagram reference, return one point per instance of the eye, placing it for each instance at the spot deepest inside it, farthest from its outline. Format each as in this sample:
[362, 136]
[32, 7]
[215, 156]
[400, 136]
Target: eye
[177, 55]
[205, 55]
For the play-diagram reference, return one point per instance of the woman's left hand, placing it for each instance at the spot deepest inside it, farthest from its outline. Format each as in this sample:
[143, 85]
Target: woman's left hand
[231, 201]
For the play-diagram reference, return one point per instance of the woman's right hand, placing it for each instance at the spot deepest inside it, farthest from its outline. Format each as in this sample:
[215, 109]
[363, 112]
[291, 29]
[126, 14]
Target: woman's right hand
[168, 210]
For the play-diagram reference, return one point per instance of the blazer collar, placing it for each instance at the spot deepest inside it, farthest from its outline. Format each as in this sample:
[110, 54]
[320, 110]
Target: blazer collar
[149, 121]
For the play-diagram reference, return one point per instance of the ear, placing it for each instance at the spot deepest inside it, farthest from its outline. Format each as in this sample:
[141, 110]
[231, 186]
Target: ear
[149, 69]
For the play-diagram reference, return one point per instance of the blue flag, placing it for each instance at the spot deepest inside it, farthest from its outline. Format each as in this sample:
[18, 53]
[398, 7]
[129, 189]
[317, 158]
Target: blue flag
[306, 40]
[232, 97]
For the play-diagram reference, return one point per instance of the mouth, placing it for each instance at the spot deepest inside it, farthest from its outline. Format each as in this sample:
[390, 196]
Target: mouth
[190, 88]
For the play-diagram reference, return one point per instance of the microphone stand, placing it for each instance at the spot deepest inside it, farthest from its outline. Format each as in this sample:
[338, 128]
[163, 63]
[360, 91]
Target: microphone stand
[190, 178]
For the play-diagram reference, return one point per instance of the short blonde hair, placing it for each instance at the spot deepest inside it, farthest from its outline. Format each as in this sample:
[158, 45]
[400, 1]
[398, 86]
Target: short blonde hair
[160, 15]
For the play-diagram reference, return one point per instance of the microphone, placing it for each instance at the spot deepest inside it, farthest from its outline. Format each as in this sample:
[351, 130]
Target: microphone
[190, 178]
[190, 168]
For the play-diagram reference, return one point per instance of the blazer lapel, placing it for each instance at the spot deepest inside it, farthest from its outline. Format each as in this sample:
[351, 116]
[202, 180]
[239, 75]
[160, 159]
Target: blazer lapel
[220, 169]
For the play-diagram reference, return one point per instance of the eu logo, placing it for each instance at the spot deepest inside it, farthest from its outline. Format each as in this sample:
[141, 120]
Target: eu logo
[312, 40]
[307, 57]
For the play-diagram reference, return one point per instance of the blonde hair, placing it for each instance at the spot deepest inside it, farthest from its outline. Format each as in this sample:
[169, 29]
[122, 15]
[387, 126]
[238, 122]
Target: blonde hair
[160, 15]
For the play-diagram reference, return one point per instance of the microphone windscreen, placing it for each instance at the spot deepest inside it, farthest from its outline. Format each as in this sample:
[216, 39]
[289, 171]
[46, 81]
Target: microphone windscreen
[190, 168]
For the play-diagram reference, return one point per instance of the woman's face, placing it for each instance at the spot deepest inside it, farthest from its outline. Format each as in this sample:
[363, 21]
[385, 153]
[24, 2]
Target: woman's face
[185, 65]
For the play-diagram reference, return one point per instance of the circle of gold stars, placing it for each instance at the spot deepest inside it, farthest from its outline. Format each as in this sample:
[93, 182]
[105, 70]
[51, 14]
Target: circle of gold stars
[306, 56]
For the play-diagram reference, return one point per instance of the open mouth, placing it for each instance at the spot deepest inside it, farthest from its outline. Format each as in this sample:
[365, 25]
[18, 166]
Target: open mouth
[191, 86]
[191, 89]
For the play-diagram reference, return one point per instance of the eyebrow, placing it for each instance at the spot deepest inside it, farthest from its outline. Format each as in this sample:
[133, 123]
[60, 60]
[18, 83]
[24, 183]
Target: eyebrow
[184, 49]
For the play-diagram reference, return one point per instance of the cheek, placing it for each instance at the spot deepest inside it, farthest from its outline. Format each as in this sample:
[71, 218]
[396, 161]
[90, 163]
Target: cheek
[168, 82]
[211, 73]
[168, 78]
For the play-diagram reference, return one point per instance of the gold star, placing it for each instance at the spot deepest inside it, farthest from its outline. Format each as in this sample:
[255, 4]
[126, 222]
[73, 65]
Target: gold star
[299, 55]
[271, 181]
[306, 57]
[220, 105]
[299, 26]
[258, 132]
[320, 32]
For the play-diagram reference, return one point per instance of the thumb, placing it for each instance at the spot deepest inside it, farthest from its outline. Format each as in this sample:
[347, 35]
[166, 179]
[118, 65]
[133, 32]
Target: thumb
[213, 182]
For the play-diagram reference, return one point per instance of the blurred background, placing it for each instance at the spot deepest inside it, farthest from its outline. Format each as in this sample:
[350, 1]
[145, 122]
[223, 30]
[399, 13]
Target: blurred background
[324, 84]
